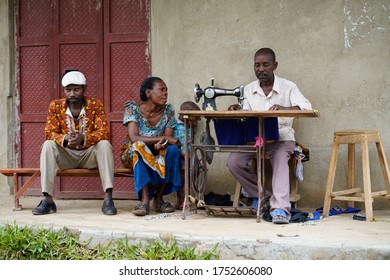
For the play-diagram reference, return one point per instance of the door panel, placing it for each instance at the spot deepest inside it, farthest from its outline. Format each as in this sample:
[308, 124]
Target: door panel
[34, 19]
[85, 58]
[80, 18]
[108, 41]
[126, 64]
[36, 72]
[34, 78]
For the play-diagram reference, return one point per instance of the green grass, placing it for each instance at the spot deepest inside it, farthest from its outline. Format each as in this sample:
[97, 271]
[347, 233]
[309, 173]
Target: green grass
[34, 243]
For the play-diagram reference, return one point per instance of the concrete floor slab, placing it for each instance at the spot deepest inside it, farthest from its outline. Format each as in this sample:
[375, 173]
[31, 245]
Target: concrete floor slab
[337, 237]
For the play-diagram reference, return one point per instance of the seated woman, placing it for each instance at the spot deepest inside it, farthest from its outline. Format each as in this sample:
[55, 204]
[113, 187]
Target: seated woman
[150, 148]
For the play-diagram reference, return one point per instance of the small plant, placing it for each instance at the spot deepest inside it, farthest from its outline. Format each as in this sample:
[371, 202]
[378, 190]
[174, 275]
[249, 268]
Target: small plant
[159, 250]
[30, 243]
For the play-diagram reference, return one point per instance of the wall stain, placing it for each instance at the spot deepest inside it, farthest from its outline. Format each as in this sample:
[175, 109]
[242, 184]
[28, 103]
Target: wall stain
[363, 20]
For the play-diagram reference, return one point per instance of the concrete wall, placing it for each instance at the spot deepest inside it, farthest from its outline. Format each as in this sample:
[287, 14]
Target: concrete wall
[337, 51]
[6, 129]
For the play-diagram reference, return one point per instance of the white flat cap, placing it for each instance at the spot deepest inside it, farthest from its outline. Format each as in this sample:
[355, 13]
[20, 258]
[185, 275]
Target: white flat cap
[73, 78]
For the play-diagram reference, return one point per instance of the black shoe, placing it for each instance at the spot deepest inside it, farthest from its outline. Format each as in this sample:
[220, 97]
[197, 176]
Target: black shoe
[44, 207]
[108, 207]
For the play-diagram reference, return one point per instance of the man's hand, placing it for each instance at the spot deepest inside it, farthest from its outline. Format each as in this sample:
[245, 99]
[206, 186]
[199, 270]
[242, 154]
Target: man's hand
[277, 107]
[234, 107]
[74, 140]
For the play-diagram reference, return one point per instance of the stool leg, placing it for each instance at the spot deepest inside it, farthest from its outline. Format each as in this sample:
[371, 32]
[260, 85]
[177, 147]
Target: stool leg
[237, 194]
[351, 170]
[331, 175]
[384, 165]
[367, 180]
[294, 196]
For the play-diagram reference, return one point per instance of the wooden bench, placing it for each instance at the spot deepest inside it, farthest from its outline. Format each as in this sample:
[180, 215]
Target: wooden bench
[17, 173]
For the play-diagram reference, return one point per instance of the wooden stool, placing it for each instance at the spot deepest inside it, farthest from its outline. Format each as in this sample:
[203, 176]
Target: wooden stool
[353, 194]
[294, 184]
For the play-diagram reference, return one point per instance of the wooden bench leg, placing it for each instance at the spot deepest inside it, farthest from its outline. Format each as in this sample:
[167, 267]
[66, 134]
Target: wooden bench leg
[17, 206]
[19, 193]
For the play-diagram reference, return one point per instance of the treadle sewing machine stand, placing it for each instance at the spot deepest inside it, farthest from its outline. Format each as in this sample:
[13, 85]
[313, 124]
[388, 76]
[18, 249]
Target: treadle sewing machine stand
[190, 114]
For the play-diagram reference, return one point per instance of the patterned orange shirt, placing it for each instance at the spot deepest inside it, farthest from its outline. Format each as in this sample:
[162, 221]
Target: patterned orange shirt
[92, 122]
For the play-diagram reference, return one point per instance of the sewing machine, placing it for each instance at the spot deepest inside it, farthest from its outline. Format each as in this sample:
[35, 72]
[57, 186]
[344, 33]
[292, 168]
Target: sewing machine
[212, 92]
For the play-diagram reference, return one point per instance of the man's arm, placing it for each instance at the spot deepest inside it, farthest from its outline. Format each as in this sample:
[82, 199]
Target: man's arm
[53, 126]
[97, 126]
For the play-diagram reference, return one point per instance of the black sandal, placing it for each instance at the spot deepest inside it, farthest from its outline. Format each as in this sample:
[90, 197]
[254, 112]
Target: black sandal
[140, 210]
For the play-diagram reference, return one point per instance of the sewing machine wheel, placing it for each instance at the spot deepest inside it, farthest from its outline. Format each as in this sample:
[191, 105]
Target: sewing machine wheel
[198, 172]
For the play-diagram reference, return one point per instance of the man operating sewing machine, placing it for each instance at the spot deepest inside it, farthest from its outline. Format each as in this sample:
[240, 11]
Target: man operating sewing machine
[270, 92]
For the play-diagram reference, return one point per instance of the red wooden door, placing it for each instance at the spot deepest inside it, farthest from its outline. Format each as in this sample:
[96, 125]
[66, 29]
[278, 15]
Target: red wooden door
[108, 41]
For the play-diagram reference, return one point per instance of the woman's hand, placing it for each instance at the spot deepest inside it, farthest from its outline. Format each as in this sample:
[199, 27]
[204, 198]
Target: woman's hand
[161, 144]
[165, 141]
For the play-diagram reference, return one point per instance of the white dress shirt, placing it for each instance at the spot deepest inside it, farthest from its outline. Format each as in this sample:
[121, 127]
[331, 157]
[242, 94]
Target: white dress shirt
[284, 93]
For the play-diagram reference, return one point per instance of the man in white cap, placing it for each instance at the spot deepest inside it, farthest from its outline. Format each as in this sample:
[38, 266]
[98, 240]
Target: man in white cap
[77, 136]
